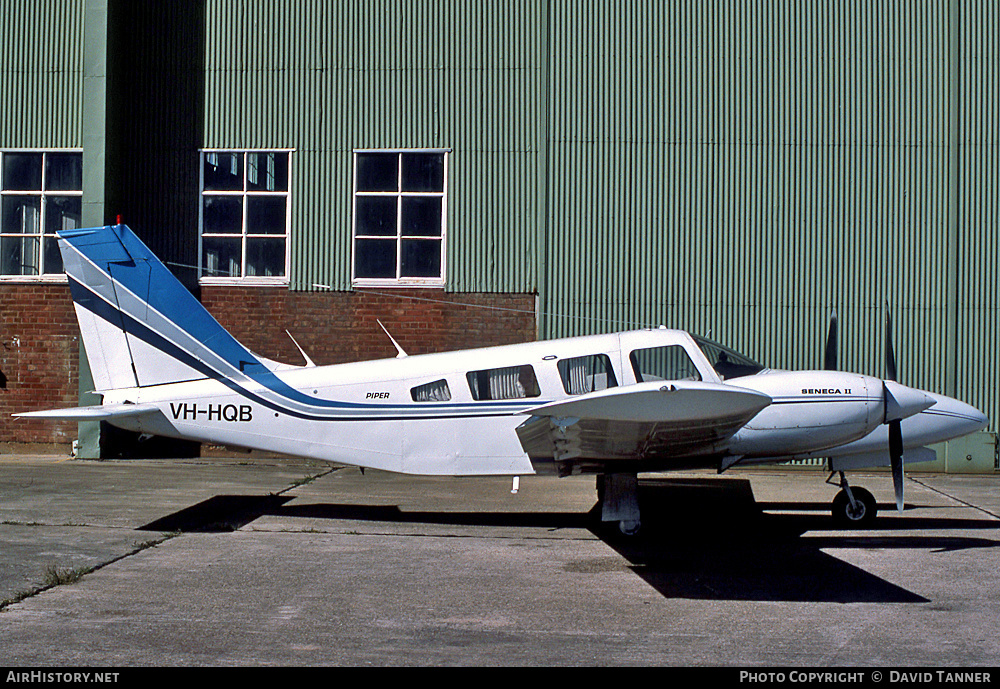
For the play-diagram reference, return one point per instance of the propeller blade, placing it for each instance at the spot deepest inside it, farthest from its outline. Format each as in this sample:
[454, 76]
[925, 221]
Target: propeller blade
[830, 355]
[895, 428]
[896, 461]
[890, 357]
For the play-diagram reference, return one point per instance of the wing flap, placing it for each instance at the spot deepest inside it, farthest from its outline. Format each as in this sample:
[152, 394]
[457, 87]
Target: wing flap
[643, 421]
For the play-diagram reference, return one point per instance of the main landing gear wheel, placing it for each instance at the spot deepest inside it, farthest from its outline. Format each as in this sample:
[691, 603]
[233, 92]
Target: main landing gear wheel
[629, 527]
[861, 514]
[618, 496]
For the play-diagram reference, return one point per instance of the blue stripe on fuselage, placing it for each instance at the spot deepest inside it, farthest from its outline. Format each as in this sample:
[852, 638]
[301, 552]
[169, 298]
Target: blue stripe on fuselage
[102, 309]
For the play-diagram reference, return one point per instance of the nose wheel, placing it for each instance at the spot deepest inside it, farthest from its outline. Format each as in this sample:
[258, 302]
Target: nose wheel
[853, 507]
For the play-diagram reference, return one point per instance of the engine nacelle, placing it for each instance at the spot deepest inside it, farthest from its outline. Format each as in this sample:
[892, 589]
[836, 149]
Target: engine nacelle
[811, 411]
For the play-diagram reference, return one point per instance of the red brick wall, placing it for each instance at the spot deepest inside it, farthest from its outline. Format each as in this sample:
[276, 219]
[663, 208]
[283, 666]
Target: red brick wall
[39, 360]
[337, 327]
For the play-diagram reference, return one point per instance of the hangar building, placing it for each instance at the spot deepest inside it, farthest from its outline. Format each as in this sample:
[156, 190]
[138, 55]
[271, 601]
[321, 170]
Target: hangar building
[484, 172]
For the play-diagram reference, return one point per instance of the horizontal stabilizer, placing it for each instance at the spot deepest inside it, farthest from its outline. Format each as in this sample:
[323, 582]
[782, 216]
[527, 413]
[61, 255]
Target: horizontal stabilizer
[648, 420]
[880, 459]
[93, 413]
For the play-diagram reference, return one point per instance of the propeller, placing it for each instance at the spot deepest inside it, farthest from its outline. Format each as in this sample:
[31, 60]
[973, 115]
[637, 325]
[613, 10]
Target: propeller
[895, 427]
[890, 357]
[899, 401]
[830, 353]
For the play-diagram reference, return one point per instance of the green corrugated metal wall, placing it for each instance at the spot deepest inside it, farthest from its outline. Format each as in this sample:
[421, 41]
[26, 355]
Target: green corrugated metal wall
[736, 169]
[748, 167]
[743, 169]
[41, 74]
[328, 78]
[978, 201]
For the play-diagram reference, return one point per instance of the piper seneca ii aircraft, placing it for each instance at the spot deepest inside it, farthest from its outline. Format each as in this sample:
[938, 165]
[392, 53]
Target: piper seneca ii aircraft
[614, 405]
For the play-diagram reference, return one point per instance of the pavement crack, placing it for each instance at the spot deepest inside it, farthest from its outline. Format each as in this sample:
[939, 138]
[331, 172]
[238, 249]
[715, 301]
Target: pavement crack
[952, 497]
[307, 480]
[60, 576]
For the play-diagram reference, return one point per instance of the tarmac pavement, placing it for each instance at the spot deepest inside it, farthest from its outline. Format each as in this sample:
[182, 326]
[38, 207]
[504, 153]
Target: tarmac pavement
[250, 562]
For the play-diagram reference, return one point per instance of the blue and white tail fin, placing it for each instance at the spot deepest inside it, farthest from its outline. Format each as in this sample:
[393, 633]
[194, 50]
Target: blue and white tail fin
[140, 325]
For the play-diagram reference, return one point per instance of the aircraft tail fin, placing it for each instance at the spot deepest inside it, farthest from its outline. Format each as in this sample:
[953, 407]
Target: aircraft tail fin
[140, 325]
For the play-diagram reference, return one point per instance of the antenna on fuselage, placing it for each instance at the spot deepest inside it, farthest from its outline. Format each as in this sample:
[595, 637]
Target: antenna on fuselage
[309, 362]
[395, 344]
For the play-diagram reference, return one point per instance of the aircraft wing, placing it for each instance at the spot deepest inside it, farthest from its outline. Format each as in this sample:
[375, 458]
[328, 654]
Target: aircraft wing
[93, 413]
[643, 421]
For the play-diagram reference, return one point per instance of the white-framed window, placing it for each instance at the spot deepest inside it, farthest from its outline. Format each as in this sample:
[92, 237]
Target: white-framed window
[245, 215]
[41, 192]
[400, 217]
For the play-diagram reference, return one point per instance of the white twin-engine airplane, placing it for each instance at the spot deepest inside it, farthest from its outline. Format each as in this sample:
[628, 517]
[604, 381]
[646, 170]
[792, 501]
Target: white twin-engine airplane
[614, 405]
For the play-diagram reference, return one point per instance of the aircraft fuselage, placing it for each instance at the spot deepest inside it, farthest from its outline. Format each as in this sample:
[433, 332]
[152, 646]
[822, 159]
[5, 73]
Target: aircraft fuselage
[375, 414]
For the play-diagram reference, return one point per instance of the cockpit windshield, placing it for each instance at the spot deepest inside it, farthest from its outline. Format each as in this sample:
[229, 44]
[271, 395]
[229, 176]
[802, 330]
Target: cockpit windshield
[727, 362]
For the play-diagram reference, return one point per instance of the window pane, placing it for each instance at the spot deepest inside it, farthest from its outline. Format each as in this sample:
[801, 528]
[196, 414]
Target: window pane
[266, 257]
[223, 215]
[377, 172]
[53, 259]
[62, 213]
[375, 258]
[221, 256]
[421, 216]
[375, 216]
[64, 172]
[21, 214]
[511, 382]
[423, 171]
[19, 255]
[267, 171]
[728, 363]
[663, 363]
[431, 392]
[224, 171]
[265, 214]
[22, 171]
[421, 258]
[585, 374]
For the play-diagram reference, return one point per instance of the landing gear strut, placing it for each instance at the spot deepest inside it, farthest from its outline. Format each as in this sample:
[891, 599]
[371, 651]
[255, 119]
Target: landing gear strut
[619, 498]
[852, 507]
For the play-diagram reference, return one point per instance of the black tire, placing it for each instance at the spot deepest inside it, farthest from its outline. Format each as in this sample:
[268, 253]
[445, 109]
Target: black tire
[630, 529]
[863, 517]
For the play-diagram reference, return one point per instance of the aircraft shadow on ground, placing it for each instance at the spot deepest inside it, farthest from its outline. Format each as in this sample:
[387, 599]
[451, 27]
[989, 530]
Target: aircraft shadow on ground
[219, 514]
[701, 539]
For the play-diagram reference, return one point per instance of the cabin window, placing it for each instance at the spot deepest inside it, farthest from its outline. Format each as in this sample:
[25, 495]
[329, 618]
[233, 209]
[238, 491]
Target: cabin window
[431, 392]
[510, 382]
[584, 374]
[726, 362]
[400, 211]
[41, 192]
[663, 363]
[244, 216]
